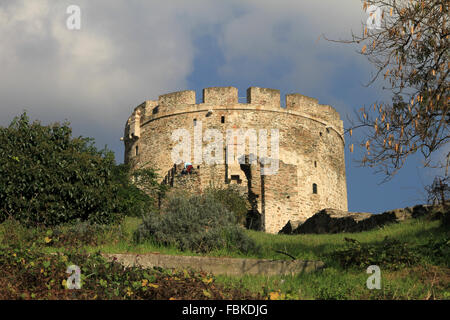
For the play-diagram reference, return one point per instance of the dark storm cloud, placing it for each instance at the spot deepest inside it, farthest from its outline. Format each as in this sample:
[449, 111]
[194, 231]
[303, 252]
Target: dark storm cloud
[130, 51]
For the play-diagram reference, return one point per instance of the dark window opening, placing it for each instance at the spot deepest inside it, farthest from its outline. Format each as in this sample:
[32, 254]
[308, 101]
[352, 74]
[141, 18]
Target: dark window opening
[155, 110]
[320, 133]
[198, 167]
[222, 119]
[314, 188]
[137, 150]
[315, 164]
[195, 122]
[236, 178]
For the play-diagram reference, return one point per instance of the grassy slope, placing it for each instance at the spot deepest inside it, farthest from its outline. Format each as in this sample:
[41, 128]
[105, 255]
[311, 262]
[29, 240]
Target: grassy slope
[421, 282]
[307, 247]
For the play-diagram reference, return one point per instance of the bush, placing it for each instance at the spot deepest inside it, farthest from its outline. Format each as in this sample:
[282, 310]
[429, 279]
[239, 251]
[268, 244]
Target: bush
[83, 234]
[74, 235]
[445, 220]
[199, 223]
[139, 190]
[231, 199]
[437, 251]
[391, 254]
[47, 177]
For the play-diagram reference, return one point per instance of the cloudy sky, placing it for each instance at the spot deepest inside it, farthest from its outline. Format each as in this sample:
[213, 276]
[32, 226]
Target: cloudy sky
[134, 50]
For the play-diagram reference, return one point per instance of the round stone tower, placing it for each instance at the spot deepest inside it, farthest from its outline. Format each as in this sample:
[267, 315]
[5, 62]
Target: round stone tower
[289, 160]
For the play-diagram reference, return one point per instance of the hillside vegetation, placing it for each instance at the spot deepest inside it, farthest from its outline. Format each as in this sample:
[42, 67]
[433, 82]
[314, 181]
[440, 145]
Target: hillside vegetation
[63, 203]
[413, 257]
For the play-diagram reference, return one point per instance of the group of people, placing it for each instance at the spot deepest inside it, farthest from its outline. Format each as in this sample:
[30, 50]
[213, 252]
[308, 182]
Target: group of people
[187, 168]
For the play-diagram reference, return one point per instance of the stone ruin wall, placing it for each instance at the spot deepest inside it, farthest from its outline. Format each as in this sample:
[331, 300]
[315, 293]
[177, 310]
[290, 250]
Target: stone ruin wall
[311, 148]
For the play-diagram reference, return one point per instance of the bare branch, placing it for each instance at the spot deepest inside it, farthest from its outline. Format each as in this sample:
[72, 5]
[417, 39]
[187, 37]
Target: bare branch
[410, 52]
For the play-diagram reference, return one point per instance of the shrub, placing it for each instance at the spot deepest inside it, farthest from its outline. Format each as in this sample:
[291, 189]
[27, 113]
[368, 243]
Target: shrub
[199, 223]
[13, 233]
[47, 177]
[83, 233]
[139, 190]
[437, 251]
[72, 235]
[231, 199]
[391, 254]
[445, 220]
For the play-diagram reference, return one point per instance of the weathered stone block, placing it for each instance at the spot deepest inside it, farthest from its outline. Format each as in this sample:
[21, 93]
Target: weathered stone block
[177, 98]
[299, 102]
[218, 266]
[263, 96]
[220, 95]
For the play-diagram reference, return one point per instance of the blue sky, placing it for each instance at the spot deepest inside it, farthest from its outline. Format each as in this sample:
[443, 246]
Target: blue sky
[131, 51]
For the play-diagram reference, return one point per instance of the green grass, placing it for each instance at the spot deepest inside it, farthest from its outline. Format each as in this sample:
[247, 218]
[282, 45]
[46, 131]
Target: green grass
[423, 281]
[337, 284]
[305, 246]
[316, 246]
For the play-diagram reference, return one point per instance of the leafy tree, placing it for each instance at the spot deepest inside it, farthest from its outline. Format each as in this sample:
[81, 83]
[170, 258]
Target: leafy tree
[139, 190]
[409, 49]
[47, 177]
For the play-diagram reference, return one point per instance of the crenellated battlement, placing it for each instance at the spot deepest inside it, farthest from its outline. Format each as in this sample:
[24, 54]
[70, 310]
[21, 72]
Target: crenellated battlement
[177, 98]
[220, 95]
[216, 98]
[297, 101]
[263, 96]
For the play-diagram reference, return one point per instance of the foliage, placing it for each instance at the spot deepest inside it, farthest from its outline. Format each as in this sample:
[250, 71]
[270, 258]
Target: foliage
[438, 250]
[410, 50]
[199, 223]
[47, 177]
[446, 220]
[389, 253]
[422, 282]
[29, 274]
[139, 190]
[147, 180]
[393, 254]
[428, 279]
[232, 200]
[73, 235]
